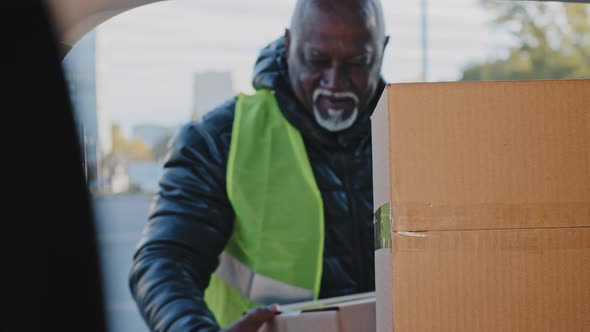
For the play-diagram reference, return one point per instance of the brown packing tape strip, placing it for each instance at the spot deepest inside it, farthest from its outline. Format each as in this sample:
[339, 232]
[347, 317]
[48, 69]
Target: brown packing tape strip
[535, 241]
[427, 217]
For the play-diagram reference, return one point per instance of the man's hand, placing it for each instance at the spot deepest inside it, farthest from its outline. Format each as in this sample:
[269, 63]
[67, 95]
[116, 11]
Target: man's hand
[253, 320]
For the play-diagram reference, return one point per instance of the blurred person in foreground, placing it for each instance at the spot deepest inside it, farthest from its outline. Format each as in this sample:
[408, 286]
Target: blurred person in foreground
[51, 274]
[268, 199]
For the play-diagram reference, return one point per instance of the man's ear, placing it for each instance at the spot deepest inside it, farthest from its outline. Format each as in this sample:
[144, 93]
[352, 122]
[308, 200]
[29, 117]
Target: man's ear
[287, 42]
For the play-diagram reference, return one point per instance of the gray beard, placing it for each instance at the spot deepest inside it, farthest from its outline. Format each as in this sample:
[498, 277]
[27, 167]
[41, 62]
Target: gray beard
[335, 121]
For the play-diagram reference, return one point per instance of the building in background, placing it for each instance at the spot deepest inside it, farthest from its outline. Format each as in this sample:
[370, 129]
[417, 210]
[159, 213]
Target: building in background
[93, 125]
[210, 89]
[152, 134]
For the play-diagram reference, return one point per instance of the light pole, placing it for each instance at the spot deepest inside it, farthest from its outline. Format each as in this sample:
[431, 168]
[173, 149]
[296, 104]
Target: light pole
[424, 41]
[85, 153]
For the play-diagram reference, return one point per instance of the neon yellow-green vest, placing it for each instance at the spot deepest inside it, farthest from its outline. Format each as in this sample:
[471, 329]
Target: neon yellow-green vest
[276, 248]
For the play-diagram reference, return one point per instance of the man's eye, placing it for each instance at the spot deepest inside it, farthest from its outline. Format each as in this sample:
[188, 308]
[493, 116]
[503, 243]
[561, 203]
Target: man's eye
[319, 62]
[360, 61]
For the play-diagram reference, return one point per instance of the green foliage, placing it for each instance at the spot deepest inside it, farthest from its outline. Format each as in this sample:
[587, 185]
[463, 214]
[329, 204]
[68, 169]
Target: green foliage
[553, 42]
[129, 149]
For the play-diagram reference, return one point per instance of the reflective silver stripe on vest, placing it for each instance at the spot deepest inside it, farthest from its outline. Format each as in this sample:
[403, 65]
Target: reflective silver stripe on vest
[259, 289]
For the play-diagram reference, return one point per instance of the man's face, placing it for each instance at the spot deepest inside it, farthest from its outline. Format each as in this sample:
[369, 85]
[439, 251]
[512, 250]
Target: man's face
[334, 65]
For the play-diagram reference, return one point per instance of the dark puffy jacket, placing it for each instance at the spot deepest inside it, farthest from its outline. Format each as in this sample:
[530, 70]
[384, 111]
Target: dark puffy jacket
[191, 218]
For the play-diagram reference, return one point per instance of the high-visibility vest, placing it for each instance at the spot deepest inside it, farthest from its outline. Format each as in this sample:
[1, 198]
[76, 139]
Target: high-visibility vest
[275, 252]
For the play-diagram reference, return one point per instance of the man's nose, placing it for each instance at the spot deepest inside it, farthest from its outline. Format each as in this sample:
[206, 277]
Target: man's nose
[334, 78]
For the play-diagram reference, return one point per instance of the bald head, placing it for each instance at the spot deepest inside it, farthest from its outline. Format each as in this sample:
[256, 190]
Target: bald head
[334, 52]
[307, 11]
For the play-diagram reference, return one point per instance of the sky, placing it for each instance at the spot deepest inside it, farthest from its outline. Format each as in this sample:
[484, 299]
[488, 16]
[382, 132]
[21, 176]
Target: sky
[146, 58]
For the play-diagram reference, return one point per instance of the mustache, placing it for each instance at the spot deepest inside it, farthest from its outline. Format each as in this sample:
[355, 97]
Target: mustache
[317, 93]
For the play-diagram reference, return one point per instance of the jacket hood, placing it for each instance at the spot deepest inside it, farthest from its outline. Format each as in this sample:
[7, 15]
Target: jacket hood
[270, 65]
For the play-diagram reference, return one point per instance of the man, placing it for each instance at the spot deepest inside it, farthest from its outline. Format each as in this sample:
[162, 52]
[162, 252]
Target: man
[269, 198]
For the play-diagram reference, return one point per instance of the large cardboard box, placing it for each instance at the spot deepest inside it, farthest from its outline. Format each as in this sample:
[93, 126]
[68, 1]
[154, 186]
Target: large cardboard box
[352, 313]
[488, 227]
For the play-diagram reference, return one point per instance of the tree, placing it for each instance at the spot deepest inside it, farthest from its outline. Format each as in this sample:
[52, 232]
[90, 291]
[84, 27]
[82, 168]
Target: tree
[119, 141]
[137, 150]
[129, 150]
[553, 42]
